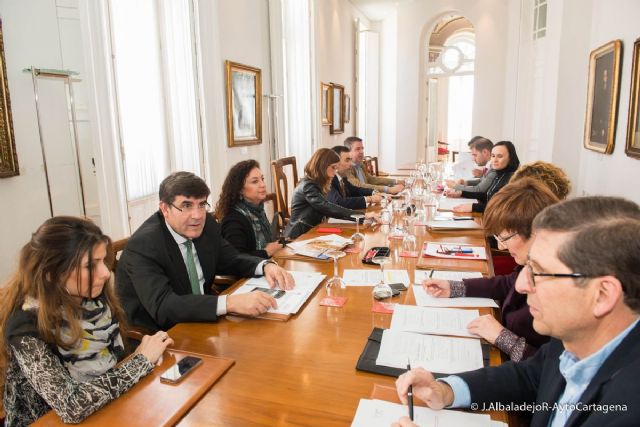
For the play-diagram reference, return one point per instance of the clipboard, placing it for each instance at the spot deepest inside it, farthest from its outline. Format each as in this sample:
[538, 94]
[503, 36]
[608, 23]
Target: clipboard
[367, 360]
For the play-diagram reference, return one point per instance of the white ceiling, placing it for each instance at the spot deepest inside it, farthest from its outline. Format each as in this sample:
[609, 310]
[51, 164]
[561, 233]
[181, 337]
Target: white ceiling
[377, 10]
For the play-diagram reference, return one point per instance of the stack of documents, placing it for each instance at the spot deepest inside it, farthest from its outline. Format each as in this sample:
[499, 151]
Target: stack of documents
[425, 300]
[317, 247]
[454, 251]
[289, 302]
[368, 277]
[445, 355]
[436, 321]
[453, 224]
[447, 204]
[380, 413]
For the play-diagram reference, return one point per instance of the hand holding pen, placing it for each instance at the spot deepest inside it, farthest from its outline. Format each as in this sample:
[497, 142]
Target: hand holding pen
[410, 393]
[437, 287]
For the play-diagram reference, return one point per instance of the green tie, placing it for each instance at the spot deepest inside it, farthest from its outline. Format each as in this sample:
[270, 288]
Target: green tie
[191, 269]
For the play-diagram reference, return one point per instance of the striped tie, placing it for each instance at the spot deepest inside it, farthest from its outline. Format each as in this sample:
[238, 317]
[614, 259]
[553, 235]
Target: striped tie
[191, 269]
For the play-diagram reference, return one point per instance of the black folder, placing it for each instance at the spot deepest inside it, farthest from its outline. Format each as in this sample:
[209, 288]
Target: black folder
[367, 360]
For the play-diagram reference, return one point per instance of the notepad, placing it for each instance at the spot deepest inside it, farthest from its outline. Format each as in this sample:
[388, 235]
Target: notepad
[380, 413]
[368, 277]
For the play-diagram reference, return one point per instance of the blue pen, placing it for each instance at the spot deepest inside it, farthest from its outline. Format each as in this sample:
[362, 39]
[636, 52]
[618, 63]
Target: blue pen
[465, 251]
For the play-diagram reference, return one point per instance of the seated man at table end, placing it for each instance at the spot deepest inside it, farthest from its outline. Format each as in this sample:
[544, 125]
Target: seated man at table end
[358, 176]
[583, 287]
[342, 192]
[165, 273]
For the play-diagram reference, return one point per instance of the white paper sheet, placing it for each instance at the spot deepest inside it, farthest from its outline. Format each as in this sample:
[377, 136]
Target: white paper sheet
[316, 247]
[423, 299]
[421, 275]
[291, 301]
[431, 320]
[446, 355]
[380, 413]
[368, 277]
[440, 249]
[454, 225]
[447, 204]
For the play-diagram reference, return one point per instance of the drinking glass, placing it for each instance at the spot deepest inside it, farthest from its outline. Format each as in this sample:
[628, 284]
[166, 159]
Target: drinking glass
[357, 236]
[335, 282]
[382, 290]
[409, 243]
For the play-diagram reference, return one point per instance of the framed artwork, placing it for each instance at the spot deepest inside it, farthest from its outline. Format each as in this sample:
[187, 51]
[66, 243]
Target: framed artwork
[347, 108]
[337, 102]
[8, 156]
[326, 102]
[602, 97]
[244, 104]
[633, 125]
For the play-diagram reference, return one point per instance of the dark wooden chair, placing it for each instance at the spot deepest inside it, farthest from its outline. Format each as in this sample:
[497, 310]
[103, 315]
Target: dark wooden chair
[371, 165]
[285, 177]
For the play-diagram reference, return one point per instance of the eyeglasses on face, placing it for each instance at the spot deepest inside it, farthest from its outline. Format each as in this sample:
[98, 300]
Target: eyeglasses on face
[187, 207]
[505, 239]
[532, 275]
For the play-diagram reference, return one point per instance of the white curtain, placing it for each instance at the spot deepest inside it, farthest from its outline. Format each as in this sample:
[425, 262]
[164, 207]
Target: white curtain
[297, 79]
[460, 112]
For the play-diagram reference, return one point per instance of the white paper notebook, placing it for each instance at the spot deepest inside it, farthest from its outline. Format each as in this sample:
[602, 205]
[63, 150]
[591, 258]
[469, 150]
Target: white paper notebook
[447, 204]
[380, 413]
[368, 277]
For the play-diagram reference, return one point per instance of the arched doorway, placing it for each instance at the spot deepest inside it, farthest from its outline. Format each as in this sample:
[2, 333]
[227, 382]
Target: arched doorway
[449, 79]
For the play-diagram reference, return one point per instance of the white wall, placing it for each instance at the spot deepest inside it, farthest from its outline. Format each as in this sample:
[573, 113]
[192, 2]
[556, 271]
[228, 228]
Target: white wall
[46, 39]
[415, 21]
[335, 57]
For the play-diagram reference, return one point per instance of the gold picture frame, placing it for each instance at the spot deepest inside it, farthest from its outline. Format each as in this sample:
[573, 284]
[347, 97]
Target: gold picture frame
[326, 104]
[337, 109]
[633, 123]
[244, 104]
[8, 156]
[602, 97]
[347, 108]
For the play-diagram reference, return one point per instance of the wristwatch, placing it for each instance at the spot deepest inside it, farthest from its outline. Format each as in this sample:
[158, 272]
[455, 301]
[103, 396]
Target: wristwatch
[269, 261]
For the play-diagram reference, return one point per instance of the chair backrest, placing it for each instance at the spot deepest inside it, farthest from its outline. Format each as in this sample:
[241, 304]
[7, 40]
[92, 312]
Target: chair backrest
[371, 165]
[117, 247]
[283, 181]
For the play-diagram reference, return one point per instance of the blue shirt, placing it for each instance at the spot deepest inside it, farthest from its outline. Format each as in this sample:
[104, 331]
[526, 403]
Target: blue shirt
[577, 373]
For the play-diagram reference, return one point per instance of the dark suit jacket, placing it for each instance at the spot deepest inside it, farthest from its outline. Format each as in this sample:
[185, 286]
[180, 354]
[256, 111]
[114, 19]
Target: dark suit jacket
[538, 380]
[152, 279]
[354, 195]
[516, 316]
[501, 179]
[237, 230]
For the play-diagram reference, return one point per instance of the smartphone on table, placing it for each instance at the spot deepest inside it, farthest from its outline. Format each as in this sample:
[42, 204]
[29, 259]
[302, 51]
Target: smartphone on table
[179, 370]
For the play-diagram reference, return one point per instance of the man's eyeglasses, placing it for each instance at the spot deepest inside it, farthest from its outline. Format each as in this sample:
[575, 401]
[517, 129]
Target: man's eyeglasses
[189, 207]
[505, 239]
[532, 275]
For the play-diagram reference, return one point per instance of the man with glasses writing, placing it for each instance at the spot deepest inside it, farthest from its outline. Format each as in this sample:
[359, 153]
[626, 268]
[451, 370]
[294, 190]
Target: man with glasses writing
[165, 273]
[583, 287]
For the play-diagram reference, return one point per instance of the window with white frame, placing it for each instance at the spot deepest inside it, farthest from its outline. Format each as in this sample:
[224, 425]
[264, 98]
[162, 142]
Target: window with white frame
[539, 19]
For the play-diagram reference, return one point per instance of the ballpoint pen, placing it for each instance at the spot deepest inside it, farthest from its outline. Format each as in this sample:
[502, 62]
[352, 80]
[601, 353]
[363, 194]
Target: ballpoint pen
[410, 394]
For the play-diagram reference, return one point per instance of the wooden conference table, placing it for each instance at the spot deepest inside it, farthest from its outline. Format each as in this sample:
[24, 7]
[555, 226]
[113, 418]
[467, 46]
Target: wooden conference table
[302, 371]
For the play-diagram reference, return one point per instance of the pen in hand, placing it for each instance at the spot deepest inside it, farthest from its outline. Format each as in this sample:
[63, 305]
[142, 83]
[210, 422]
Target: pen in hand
[410, 394]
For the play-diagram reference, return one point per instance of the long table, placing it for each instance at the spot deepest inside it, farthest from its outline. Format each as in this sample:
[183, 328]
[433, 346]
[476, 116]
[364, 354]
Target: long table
[302, 372]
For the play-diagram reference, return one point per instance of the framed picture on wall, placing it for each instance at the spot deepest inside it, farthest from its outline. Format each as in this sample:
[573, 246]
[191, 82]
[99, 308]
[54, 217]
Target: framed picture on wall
[602, 97]
[326, 104]
[244, 104]
[8, 156]
[337, 102]
[347, 108]
[633, 125]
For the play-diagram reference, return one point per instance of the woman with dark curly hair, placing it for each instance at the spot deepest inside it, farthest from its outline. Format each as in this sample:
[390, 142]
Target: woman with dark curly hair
[241, 210]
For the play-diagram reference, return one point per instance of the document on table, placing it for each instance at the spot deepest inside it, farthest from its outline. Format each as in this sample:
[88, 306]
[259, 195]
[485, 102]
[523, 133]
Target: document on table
[423, 299]
[445, 355]
[430, 320]
[317, 247]
[447, 204]
[289, 302]
[466, 224]
[368, 277]
[380, 413]
[454, 251]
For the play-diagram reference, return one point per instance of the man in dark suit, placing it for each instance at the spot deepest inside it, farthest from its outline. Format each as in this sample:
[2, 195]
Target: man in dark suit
[342, 192]
[165, 273]
[583, 289]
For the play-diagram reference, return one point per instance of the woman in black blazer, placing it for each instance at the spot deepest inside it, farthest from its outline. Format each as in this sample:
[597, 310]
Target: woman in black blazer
[309, 204]
[504, 160]
[241, 210]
